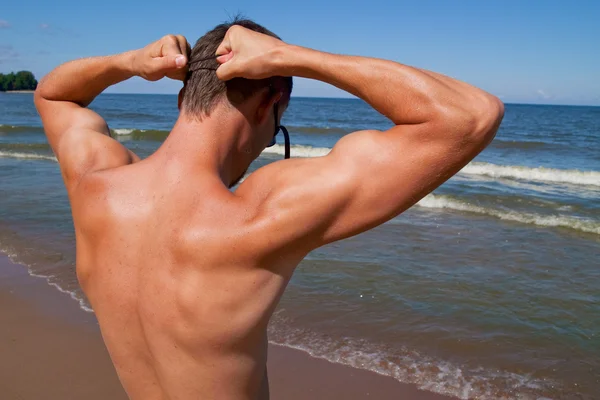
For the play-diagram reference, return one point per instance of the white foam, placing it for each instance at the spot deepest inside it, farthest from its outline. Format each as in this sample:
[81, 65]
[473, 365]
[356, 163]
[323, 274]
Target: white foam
[72, 294]
[123, 131]
[299, 150]
[541, 174]
[407, 365]
[494, 171]
[26, 156]
[445, 202]
[13, 258]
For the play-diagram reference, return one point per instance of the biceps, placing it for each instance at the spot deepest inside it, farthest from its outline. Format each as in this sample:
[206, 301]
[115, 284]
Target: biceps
[84, 150]
[60, 117]
[397, 173]
[368, 178]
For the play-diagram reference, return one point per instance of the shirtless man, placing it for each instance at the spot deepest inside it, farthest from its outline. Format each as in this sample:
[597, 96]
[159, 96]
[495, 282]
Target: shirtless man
[183, 273]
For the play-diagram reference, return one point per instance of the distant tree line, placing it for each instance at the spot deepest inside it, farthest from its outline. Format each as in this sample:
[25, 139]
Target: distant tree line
[22, 80]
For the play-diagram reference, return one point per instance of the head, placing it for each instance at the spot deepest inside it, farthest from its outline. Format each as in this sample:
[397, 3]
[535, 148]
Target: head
[252, 102]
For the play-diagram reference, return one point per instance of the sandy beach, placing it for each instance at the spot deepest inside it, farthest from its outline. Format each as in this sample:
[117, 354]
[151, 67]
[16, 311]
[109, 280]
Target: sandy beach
[51, 349]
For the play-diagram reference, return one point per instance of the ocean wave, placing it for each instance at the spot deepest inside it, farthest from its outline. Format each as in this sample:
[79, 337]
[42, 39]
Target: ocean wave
[494, 171]
[447, 202]
[409, 366]
[26, 156]
[153, 134]
[299, 150]
[540, 174]
[122, 131]
[15, 259]
[72, 293]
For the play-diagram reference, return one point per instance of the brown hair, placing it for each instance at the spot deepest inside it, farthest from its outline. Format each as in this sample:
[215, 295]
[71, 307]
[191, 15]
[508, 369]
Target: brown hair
[203, 90]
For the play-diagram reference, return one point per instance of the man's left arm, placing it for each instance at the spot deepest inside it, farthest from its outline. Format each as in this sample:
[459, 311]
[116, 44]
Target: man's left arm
[78, 136]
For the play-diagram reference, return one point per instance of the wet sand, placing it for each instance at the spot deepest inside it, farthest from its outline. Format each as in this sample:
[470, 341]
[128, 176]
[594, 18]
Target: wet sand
[51, 349]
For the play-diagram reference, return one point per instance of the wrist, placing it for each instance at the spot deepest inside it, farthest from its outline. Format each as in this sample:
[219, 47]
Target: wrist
[127, 63]
[297, 61]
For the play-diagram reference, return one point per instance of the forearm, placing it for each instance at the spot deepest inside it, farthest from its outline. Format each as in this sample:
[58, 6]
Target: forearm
[404, 94]
[80, 81]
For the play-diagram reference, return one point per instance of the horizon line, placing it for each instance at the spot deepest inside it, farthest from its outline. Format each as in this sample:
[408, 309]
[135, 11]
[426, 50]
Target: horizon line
[325, 97]
[356, 98]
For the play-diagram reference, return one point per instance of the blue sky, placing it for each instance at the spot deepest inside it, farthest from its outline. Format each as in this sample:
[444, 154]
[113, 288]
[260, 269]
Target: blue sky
[522, 51]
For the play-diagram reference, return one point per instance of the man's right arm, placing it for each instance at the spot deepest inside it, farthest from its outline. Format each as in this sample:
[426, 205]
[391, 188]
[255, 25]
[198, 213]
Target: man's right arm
[370, 176]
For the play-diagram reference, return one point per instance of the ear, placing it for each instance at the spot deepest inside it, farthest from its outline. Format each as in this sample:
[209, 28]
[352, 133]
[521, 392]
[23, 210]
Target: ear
[264, 109]
[180, 97]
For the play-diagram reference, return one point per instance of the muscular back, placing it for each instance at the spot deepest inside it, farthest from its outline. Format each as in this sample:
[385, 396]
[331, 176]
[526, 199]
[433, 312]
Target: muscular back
[183, 274]
[176, 278]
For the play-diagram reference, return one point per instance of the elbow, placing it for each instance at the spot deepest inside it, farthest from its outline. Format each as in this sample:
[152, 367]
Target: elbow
[479, 119]
[42, 92]
[488, 117]
[38, 95]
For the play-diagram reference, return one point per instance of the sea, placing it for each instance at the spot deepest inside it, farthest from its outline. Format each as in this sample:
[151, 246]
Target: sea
[488, 288]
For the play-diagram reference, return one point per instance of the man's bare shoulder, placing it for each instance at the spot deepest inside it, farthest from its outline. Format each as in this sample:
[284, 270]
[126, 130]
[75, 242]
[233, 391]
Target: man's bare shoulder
[84, 151]
[265, 181]
[303, 180]
[290, 199]
[108, 194]
[306, 201]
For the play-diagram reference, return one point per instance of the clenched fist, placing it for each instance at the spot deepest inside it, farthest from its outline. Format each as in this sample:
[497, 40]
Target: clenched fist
[248, 54]
[167, 56]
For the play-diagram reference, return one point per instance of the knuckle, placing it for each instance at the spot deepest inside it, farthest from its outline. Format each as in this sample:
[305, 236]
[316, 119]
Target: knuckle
[170, 38]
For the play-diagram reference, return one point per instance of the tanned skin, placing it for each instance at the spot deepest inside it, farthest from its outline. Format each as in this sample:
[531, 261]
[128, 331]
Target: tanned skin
[184, 274]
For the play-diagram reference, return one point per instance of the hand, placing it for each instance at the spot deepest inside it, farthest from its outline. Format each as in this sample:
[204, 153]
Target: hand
[165, 57]
[248, 54]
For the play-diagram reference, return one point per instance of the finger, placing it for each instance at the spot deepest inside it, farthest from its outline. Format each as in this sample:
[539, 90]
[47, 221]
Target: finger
[183, 45]
[224, 47]
[225, 57]
[188, 49]
[169, 63]
[229, 71]
[226, 71]
[171, 48]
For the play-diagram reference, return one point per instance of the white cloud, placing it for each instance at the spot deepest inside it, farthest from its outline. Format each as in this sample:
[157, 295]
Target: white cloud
[4, 24]
[543, 94]
[44, 26]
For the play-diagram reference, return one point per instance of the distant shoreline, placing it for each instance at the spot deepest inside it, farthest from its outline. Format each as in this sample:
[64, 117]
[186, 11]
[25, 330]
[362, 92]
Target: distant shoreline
[317, 97]
[356, 98]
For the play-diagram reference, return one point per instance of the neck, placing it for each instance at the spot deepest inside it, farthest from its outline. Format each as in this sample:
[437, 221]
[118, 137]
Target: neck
[209, 146]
